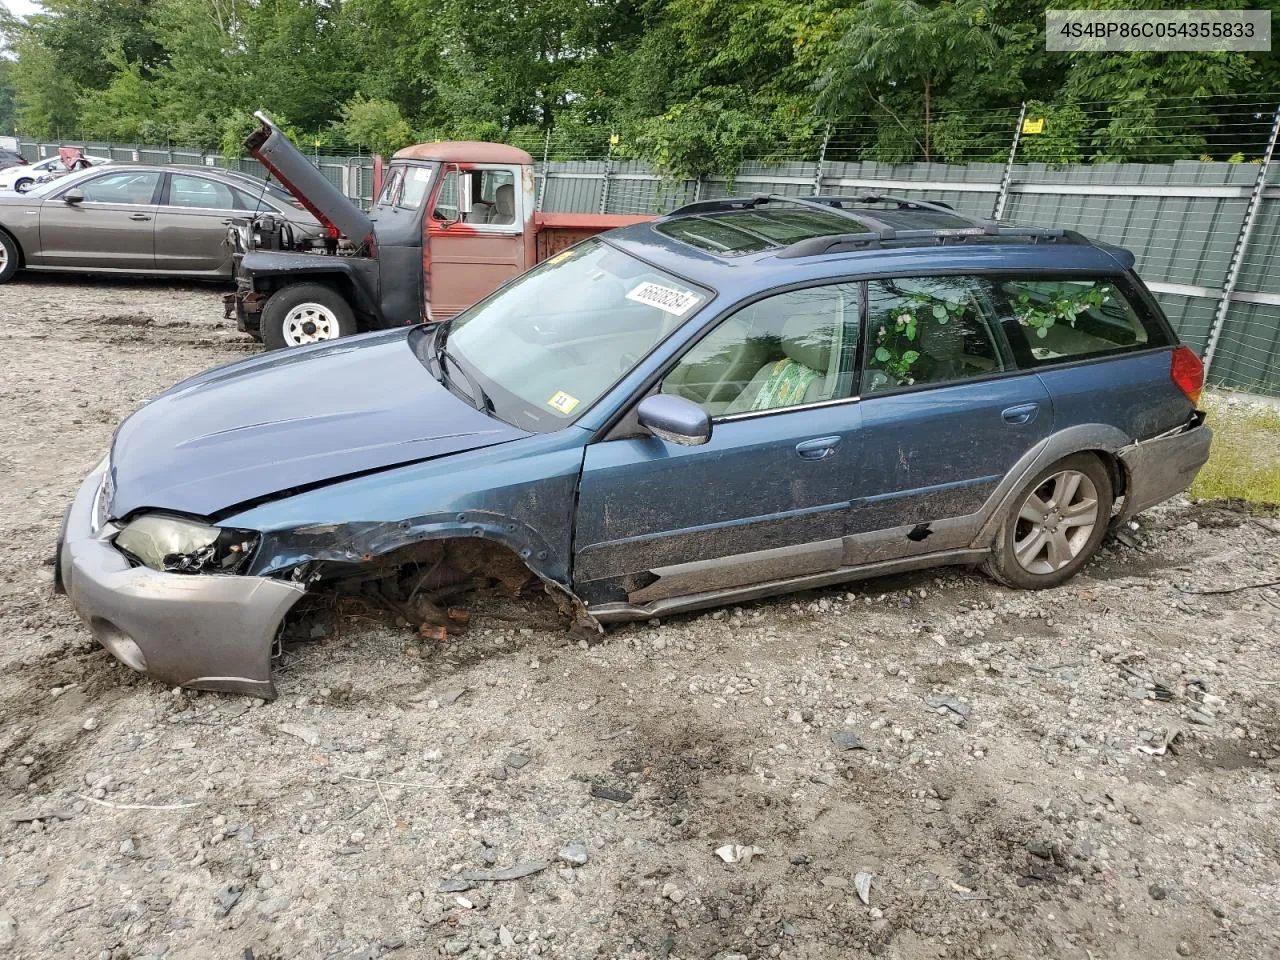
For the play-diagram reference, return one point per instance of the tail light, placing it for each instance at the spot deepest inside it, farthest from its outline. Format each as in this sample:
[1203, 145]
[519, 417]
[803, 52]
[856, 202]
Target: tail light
[1187, 373]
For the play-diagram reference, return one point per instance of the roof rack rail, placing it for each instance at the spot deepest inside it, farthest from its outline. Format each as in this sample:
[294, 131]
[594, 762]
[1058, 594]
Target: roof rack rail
[904, 203]
[881, 233]
[825, 201]
[816, 246]
[725, 204]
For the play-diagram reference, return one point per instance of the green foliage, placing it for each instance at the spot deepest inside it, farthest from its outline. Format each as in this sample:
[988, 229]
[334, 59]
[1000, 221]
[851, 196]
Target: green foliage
[375, 123]
[1064, 138]
[903, 45]
[897, 331]
[693, 85]
[703, 136]
[1040, 314]
[8, 99]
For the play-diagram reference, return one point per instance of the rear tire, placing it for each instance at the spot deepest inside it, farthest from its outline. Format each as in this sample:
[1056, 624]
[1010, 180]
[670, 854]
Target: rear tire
[1054, 525]
[9, 257]
[23, 185]
[305, 313]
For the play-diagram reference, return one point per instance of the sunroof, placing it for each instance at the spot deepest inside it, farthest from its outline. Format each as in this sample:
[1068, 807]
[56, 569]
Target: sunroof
[740, 232]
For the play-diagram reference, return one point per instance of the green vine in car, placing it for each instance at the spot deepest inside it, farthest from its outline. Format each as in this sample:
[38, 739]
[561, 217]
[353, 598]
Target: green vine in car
[1065, 307]
[897, 335]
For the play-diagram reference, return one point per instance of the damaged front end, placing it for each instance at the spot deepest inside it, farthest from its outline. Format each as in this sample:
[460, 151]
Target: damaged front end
[204, 606]
[171, 604]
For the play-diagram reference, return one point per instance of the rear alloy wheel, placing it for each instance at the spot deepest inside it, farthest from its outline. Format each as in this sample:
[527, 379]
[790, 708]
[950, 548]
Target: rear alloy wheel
[305, 313]
[8, 257]
[1055, 525]
[23, 185]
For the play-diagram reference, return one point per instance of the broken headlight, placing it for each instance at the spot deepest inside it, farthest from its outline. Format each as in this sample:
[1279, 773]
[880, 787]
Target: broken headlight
[177, 545]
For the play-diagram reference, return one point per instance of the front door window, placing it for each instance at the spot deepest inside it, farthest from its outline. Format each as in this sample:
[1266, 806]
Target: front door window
[493, 197]
[788, 350]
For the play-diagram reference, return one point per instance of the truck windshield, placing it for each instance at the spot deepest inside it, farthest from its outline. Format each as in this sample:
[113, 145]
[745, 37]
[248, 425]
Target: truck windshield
[545, 347]
[406, 186]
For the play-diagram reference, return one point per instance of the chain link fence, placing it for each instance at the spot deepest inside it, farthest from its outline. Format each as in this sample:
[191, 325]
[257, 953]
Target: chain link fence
[1197, 198]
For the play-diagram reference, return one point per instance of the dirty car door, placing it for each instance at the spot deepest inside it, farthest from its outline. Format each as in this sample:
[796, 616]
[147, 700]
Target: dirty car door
[112, 228]
[946, 415]
[191, 224]
[768, 496]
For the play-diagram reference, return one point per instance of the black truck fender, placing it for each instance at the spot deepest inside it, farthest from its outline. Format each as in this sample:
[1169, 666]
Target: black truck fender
[356, 278]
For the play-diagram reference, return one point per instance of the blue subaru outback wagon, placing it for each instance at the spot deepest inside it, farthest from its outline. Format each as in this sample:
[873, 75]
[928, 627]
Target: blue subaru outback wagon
[742, 398]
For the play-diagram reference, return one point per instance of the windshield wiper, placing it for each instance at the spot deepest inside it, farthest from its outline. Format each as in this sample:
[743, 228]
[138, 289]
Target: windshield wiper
[479, 399]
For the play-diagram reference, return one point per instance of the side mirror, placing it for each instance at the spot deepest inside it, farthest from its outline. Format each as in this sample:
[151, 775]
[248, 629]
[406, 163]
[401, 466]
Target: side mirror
[674, 419]
[73, 196]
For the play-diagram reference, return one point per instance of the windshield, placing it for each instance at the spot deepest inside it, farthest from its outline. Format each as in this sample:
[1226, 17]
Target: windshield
[406, 186]
[545, 347]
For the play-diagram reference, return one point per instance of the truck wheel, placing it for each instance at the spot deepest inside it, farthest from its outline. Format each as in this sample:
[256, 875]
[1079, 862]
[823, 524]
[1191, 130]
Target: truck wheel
[305, 313]
[1054, 525]
[8, 257]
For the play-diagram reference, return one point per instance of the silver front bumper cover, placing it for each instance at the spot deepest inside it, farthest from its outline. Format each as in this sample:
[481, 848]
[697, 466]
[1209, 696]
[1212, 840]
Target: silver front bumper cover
[207, 631]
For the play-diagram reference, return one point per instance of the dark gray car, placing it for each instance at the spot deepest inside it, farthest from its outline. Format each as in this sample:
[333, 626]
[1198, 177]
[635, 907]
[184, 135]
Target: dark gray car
[168, 221]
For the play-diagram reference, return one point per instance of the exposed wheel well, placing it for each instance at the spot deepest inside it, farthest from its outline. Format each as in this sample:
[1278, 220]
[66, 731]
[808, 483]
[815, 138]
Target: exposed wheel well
[1115, 470]
[419, 582]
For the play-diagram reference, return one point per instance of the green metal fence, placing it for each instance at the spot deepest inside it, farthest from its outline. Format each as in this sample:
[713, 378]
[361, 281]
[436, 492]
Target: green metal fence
[1206, 234]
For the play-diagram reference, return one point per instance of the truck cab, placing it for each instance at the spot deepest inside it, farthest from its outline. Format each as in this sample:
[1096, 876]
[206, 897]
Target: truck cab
[451, 222]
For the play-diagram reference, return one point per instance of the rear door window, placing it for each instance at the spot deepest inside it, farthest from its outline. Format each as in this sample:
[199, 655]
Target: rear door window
[201, 193]
[1052, 321]
[930, 330]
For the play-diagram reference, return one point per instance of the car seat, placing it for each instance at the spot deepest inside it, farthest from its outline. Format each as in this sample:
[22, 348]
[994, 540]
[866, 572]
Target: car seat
[808, 370]
[504, 205]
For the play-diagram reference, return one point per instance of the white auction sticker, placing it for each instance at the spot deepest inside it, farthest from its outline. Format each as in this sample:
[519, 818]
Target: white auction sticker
[673, 301]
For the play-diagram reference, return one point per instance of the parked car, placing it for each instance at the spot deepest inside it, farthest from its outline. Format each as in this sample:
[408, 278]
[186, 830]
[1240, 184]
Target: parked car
[169, 221]
[10, 159]
[743, 398]
[20, 179]
[451, 223]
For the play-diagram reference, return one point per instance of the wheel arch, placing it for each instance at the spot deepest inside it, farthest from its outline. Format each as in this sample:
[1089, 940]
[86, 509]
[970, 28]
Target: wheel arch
[366, 549]
[22, 254]
[341, 283]
[1099, 439]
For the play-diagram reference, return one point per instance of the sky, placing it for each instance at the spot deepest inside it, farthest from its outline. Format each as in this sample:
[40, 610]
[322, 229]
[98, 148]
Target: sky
[20, 7]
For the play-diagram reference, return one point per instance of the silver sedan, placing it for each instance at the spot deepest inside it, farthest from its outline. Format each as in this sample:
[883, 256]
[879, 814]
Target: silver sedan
[163, 221]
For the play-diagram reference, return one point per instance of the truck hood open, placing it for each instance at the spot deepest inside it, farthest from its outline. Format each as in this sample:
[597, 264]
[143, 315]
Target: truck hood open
[288, 420]
[311, 188]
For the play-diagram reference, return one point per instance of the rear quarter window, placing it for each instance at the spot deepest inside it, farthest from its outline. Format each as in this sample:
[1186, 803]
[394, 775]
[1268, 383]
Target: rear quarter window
[1052, 321]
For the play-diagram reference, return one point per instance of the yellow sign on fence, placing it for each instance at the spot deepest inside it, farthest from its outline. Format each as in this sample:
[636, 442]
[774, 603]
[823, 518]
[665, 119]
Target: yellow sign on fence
[1033, 126]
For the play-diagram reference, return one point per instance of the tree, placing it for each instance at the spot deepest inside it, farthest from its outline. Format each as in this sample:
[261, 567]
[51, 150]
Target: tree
[903, 46]
[8, 98]
[377, 124]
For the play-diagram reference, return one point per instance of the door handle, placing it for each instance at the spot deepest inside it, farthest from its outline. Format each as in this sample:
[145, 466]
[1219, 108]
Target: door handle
[1022, 413]
[139, 216]
[818, 449]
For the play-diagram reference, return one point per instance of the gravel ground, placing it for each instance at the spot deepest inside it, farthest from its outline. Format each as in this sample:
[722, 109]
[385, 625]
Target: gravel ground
[978, 753]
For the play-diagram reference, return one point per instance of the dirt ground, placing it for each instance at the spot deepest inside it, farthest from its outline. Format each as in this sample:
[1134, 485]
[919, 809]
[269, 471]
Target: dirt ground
[976, 751]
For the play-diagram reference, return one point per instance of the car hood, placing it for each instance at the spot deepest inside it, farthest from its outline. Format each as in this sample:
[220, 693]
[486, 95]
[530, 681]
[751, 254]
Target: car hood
[312, 189]
[289, 420]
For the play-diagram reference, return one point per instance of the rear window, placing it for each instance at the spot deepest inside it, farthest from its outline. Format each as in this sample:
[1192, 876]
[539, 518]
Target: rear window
[1060, 320]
